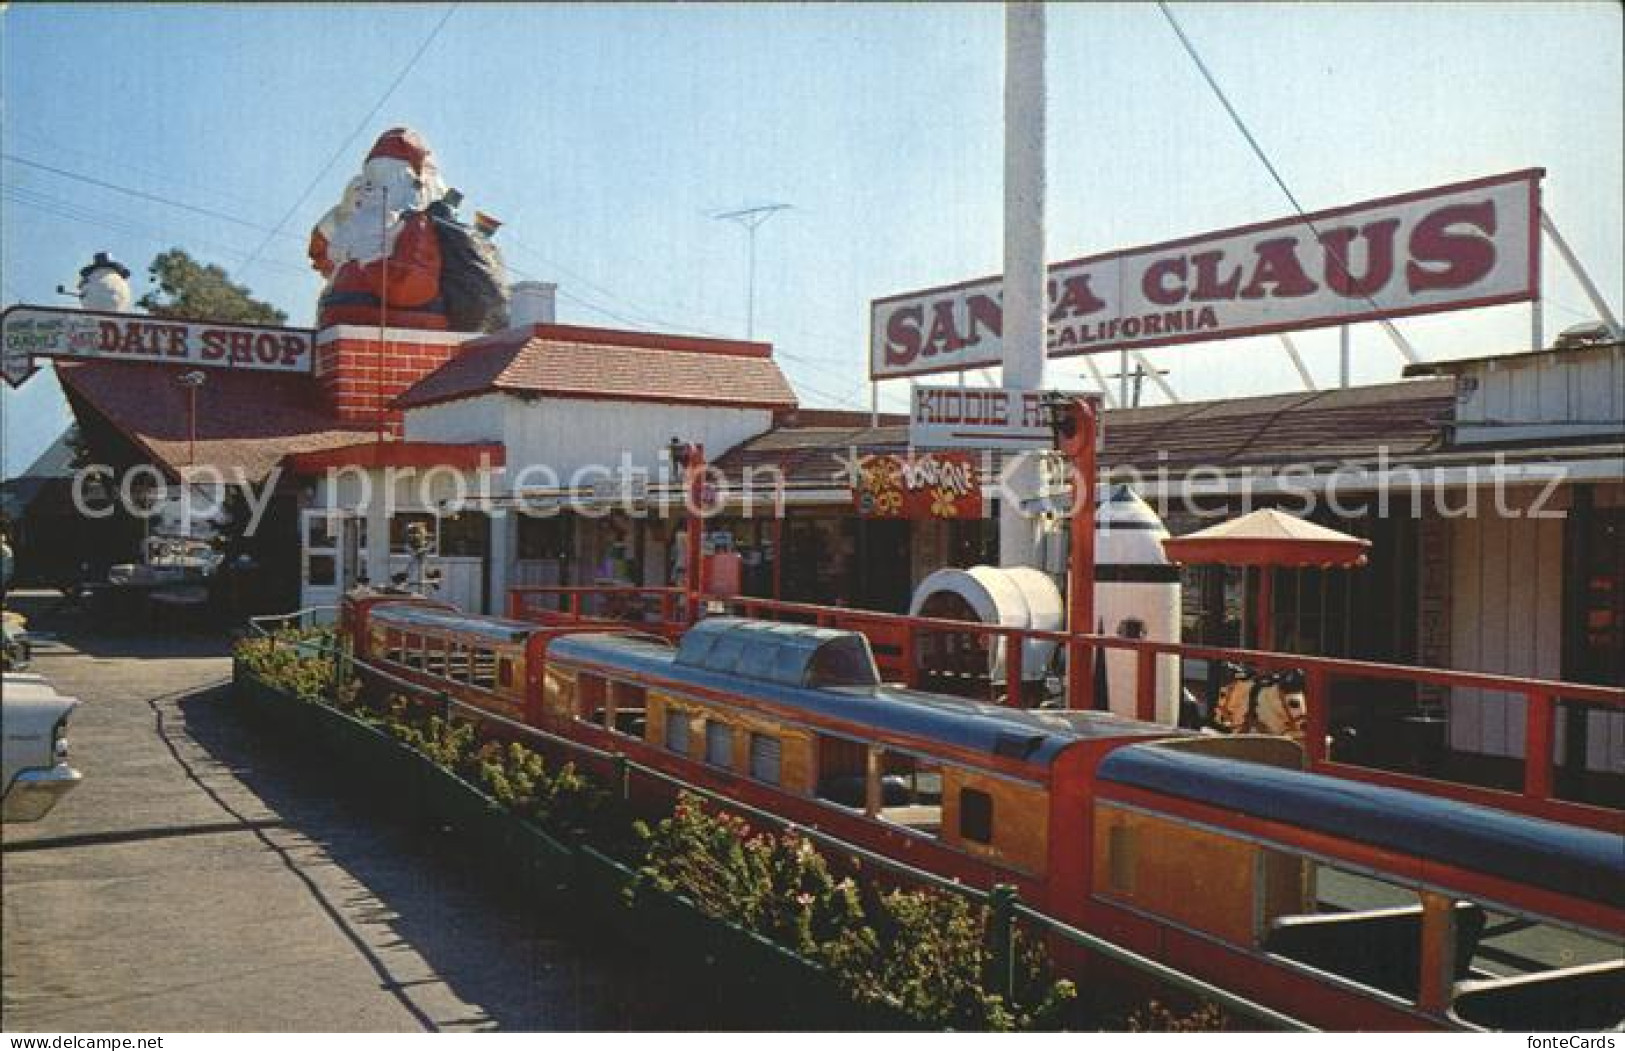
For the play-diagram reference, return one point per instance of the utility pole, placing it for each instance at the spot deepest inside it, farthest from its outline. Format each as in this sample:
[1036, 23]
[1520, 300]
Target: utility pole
[1025, 322]
[750, 219]
[1137, 376]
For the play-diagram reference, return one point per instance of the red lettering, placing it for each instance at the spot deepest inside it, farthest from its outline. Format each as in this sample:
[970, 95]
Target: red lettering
[944, 336]
[268, 348]
[1278, 265]
[985, 313]
[1208, 285]
[293, 348]
[1154, 284]
[1076, 300]
[903, 336]
[242, 347]
[133, 335]
[1379, 258]
[1458, 259]
[177, 341]
[214, 345]
[107, 337]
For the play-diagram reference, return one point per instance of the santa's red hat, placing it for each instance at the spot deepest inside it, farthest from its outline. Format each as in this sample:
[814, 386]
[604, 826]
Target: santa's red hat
[402, 144]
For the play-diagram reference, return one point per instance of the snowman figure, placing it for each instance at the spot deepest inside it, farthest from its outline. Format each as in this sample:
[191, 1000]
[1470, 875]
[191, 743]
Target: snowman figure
[105, 285]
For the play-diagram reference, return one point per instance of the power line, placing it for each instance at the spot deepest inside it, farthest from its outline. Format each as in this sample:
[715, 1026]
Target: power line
[364, 123]
[208, 213]
[1258, 151]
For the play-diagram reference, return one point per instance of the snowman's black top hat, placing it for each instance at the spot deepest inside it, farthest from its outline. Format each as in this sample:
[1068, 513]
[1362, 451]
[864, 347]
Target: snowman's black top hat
[101, 262]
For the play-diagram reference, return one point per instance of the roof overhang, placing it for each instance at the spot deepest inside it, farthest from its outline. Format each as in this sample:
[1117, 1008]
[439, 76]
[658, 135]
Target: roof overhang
[376, 455]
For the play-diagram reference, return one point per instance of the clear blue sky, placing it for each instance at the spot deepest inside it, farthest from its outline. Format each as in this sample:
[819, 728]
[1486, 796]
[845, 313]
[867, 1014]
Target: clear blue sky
[604, 135]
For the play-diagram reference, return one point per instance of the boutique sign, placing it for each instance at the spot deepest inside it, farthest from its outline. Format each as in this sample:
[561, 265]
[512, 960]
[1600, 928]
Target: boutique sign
[925, 485]
[30, 332]
[1465, 245]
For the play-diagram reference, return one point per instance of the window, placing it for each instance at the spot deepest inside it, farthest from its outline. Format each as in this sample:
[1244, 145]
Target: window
[457, 662]
[484, 673]
[765, 758]
[412, 652]
[434, 656]
[911, 792]
[841, 771]
[392, 645]
[677, 730]
[719, 744]
[591, 695]
[629, 704]
[975, 815]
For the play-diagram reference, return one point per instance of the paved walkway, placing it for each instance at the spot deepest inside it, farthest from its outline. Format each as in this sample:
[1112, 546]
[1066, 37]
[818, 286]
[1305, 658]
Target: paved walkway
[203, 879]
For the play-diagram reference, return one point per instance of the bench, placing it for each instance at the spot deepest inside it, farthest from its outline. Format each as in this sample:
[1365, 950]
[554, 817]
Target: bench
[1380, 948]
[1575, 999]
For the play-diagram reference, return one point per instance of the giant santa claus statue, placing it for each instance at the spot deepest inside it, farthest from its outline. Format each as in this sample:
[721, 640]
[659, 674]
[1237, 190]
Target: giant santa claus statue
[395, 254]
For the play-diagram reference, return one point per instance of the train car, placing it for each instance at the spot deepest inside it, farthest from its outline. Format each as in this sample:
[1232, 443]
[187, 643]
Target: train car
[1349, 905]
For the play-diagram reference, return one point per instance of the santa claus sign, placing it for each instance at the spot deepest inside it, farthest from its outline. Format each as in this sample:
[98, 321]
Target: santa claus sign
[395, 254]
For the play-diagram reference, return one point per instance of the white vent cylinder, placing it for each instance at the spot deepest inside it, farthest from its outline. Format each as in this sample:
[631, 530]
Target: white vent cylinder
[531, 303]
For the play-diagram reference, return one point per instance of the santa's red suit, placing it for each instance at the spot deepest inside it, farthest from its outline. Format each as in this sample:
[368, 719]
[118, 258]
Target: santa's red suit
[400, 288]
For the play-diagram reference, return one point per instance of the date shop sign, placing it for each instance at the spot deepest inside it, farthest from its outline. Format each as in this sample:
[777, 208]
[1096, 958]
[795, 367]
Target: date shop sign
[30, 332]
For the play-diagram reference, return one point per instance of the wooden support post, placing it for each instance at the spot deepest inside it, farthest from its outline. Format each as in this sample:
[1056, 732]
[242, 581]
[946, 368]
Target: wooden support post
[911, 657]
[1145, 685]
[1318, 699]
[1438, 963]
[1013, 646]
[872, 794]
[1539, 709]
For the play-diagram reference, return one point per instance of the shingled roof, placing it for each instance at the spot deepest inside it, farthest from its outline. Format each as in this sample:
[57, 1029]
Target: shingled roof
[1307, 427]
[246, 420]
[567, 361]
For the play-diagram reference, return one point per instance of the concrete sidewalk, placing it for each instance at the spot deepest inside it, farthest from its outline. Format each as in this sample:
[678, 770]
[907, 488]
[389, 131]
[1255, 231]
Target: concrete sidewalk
[202, 879]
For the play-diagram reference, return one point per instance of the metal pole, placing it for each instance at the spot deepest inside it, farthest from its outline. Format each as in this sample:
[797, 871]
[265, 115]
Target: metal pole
[750, 283]
[1025, 320]
[1297, 361]
[1598, 304]
[1342, 355]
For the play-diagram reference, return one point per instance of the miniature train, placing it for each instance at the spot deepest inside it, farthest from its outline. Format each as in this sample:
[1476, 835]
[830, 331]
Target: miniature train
[1348, 905]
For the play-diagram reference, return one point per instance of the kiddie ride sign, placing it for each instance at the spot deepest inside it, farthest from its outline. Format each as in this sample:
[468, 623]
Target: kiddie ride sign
[32, 332]
[1464, 245]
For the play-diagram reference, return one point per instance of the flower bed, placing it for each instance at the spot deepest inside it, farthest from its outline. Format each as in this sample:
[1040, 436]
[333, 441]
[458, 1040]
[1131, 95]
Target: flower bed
[771, 918]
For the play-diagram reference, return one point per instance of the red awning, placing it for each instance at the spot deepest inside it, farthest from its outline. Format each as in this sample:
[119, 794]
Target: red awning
[1267, 537]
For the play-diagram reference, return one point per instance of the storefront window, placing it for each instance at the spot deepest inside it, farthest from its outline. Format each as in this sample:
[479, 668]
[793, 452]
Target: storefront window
[465, 534]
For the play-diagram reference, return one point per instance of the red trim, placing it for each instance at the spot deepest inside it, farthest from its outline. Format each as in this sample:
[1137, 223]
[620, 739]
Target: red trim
[498, 387]
[1265, 551]
[466, 456]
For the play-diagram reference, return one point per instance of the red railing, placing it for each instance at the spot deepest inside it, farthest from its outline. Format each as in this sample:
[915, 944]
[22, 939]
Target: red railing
[896, 640]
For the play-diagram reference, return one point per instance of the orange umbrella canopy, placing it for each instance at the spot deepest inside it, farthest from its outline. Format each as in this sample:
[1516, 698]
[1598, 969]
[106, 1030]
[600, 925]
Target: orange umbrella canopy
[1267, 537]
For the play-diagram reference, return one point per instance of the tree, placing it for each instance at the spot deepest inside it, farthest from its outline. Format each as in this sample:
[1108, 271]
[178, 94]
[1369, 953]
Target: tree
[194, 291]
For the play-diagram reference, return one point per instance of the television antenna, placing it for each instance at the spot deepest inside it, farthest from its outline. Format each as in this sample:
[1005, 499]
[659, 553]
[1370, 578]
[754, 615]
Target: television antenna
[750, 219]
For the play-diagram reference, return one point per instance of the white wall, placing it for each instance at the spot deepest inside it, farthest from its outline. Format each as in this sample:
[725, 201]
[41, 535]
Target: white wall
[1566, 395]
[477, 419]
[1506, 616]
[568, 435]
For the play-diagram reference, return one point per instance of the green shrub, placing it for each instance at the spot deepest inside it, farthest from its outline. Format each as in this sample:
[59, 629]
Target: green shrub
[299, 662]
[921, 952]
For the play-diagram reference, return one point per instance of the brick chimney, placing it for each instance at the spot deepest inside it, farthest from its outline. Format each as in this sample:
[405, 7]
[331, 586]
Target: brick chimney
[363, 370]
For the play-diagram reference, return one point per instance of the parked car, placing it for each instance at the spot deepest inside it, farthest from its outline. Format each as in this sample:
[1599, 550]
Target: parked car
[34, 750]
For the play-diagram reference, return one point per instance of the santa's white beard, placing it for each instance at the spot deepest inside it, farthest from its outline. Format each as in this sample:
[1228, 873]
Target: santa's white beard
[368, 233]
